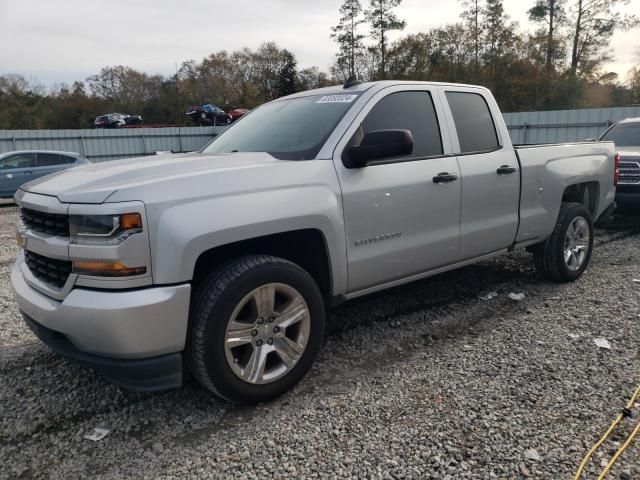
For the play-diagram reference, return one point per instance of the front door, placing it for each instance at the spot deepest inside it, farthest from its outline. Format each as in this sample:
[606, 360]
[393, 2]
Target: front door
[398, 220]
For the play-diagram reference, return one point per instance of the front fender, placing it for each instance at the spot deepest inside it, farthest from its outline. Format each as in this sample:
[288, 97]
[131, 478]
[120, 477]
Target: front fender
[184, 231]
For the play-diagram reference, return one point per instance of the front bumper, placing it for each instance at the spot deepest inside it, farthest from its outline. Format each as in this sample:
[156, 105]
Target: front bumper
[113, 331]
[145, 375]
[628, 196]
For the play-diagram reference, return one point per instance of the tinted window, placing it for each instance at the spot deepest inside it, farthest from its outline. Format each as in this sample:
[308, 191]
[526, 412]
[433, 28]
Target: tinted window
[21, 160]
[293, 129]
[413, 111]
[67, 159]
[50, 159]
[474, 124]
[624, 134]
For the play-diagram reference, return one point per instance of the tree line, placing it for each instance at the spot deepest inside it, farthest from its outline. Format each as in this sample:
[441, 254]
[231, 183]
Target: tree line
[558, 65]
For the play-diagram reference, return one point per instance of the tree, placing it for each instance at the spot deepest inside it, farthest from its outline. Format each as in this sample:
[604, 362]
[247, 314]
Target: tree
[312, 77]
[551, 13]
[124, 88]
[500, 41]
[634, 84]
[287, 77]
[471, 16]
[383, 20]
[594, 23]
[346, 35]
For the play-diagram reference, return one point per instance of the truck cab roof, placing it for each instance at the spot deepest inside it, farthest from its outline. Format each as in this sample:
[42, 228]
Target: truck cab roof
[376, 86]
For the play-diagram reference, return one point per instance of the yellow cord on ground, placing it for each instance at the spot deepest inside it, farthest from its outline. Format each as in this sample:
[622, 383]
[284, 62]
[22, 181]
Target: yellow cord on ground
[619, 452]
[619, 418]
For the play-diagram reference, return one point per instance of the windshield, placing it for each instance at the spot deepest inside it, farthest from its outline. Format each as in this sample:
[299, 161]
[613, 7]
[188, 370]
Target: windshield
[293, 129]
[624, 134]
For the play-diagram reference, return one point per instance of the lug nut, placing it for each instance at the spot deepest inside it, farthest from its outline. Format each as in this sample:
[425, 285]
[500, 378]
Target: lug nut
[260, 321]
[272, 319]
[270, 341]
[259, 343]
[276, 329]
[254, 333]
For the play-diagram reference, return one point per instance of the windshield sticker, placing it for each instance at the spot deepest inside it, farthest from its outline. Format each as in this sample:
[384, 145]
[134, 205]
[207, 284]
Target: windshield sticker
[337, 99]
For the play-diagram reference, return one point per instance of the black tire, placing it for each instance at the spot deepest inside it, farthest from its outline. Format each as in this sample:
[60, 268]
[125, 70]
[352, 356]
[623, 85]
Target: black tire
[549, 255]
[213, 303]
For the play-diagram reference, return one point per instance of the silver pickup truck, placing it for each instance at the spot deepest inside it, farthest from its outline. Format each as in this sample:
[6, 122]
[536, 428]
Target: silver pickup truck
[222, 263]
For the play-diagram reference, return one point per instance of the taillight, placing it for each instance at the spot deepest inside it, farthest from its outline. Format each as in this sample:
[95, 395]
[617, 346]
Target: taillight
[616, 173]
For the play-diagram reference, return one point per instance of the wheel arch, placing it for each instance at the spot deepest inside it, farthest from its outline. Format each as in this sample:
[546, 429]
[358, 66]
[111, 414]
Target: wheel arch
[306, 248]
[587, 193]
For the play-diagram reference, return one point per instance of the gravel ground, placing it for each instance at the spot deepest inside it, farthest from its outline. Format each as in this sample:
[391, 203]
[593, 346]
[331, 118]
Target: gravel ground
[423, 381]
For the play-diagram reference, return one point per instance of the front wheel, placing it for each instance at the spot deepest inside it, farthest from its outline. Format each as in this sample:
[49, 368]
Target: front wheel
[565, 255]
[256, 326]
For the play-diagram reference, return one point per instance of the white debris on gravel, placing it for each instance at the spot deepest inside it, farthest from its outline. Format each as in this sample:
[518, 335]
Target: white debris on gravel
[488, 296]
[532, 454]
[97, 434]
[518, 297]
[602, 343]
[421, 382]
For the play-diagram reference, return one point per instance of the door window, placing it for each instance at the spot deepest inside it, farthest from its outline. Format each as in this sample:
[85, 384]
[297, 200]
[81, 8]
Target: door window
[413, 111]
[20, 160]
[474, 123]
[50, 159]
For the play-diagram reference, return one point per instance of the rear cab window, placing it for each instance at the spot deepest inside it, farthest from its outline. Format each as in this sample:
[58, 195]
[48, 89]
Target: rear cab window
[474, 123]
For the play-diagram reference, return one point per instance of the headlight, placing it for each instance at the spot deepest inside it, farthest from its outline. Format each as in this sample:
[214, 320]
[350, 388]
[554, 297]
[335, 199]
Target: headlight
[103, 229]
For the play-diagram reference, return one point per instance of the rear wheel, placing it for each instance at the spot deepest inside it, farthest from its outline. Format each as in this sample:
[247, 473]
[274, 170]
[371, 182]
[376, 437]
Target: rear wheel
[566, 254]
[256, 328]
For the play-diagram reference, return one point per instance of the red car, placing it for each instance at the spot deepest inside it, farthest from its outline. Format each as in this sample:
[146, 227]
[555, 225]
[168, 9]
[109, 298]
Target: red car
[237, 113]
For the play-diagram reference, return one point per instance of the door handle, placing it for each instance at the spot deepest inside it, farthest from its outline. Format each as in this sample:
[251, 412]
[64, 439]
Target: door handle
[445, 178]
[506, 170]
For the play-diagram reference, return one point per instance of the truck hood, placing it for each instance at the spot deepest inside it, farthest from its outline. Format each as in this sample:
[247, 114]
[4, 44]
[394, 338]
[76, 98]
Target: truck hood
[628, 151]
[95, 183]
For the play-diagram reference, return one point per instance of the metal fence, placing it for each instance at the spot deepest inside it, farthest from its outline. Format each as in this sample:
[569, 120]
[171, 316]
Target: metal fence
[564, 125]
[106, 144]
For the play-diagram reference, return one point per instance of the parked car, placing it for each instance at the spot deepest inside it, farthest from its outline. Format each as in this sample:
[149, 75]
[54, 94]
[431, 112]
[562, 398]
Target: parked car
[626, 135]
[117, 120]
[224, 260]
[236, 113]
[17, 168]
[209, 115]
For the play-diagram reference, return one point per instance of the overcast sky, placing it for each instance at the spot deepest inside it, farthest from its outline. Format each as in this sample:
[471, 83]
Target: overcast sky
[64, 40]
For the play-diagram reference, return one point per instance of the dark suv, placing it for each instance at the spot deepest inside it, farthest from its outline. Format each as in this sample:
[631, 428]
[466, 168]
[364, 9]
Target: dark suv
[626, 135]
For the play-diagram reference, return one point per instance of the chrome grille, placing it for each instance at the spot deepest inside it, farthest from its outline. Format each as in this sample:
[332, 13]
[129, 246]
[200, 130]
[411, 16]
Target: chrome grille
[49, 270]
[43, 222]
[629, 171]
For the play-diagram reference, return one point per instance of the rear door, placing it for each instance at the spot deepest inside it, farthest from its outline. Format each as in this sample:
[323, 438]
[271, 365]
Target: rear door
[398, 221]
[489, 170]
[15, 170]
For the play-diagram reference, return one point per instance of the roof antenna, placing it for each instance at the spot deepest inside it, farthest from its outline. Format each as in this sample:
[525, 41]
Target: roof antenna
[352, 81]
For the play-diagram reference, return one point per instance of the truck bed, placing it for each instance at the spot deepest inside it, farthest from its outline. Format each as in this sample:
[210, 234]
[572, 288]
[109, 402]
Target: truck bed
[547, 170]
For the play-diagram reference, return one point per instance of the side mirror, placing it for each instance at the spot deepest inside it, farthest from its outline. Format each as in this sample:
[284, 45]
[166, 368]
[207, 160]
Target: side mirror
[377, 145]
